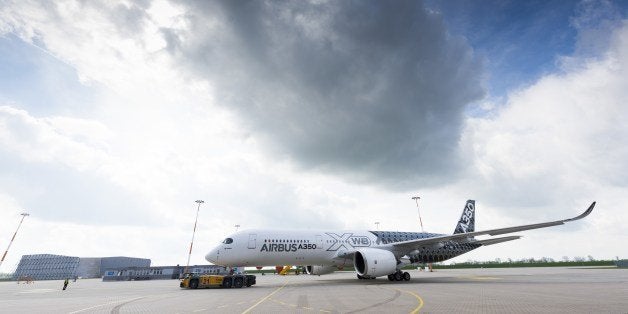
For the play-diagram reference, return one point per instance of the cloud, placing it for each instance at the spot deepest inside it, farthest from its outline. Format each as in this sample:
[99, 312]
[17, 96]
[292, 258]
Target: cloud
[60, 168]
[76, 143]
[559, 143]
[220, 100]
[369, 91]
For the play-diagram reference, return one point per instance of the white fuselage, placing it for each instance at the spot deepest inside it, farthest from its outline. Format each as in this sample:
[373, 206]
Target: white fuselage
[294, 247]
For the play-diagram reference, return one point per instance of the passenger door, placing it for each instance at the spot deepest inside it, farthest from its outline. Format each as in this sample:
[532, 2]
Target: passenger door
[252, 240]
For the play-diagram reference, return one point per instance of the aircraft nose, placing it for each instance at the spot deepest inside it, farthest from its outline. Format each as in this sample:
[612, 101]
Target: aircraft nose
[212, 256]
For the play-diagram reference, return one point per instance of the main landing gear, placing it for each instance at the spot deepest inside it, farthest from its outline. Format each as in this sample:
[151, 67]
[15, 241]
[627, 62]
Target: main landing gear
[399, 276]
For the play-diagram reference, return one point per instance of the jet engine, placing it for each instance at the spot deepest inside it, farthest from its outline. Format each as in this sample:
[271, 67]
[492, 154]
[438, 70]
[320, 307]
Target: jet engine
[371, 263]
[319, 270]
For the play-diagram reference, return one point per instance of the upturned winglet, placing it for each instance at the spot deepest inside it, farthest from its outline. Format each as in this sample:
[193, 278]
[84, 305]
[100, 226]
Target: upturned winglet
[586, 213]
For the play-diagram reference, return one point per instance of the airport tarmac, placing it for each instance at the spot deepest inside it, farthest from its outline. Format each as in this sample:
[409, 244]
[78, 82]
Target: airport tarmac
[521, 290]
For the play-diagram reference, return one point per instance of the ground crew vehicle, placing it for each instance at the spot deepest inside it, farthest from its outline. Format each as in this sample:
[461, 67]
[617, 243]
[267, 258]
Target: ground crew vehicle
[194, 281]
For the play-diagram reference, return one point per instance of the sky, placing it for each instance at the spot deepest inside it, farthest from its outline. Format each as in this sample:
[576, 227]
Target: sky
[115, 116]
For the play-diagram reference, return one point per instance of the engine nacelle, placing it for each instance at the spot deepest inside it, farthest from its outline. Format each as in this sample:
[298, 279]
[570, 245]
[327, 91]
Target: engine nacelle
[319, 270]
[373, 263]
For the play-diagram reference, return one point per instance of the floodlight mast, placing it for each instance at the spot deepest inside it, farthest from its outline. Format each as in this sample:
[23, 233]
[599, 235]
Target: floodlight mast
[416, 199]
[199, 202]
[11, 242]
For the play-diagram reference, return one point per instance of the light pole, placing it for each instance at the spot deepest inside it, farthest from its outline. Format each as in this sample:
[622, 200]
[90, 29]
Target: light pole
[377, 225]
[237, 226]
[416, 199]
[199, 202]
[11, 242]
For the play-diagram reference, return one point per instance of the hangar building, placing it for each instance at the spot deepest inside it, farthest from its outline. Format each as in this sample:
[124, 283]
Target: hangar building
[50, 266]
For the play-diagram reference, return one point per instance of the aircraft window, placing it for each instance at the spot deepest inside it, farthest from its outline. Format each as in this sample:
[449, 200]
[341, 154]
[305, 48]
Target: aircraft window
[228, 241]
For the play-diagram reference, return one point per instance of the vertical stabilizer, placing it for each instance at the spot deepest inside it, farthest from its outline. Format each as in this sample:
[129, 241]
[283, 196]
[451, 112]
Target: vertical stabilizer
[467, 220]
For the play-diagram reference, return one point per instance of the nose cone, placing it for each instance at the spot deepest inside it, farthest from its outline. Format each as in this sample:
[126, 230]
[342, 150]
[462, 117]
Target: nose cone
[212, 256]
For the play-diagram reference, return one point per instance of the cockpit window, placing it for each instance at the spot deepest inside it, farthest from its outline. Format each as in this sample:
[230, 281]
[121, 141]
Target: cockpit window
[228, 241]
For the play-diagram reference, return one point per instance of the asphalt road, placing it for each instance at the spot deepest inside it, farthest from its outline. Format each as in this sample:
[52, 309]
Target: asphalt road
[521, 290]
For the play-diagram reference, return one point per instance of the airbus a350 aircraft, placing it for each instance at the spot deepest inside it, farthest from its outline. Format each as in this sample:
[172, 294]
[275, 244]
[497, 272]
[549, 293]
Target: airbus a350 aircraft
[372, 253]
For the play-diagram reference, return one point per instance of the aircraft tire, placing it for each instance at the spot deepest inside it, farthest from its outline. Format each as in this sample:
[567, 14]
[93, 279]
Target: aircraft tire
[406, 276]
[398, 276]
[391, 277]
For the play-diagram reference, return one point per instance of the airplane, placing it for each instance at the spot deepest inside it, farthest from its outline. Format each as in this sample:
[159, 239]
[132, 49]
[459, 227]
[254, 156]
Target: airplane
[372, 253]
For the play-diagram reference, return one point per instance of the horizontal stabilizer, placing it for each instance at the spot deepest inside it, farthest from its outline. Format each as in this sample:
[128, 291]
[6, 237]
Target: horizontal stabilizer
[497, 240]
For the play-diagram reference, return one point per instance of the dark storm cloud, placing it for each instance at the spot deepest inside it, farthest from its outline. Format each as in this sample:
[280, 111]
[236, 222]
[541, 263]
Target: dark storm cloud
[372, 90]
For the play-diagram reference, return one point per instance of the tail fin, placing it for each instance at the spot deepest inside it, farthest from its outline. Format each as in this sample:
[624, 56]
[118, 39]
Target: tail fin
[467, 220]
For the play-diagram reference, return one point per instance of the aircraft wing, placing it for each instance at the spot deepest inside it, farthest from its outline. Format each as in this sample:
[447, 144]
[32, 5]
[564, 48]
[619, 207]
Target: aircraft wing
[492, 241]
[464, 237]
